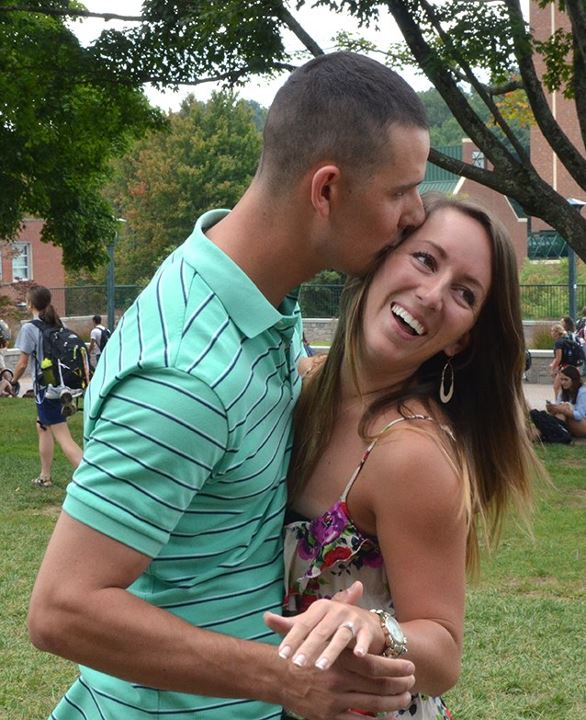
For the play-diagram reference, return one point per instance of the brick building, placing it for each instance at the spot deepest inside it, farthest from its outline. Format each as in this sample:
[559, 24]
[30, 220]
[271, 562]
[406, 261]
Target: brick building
[544, 23]
[29, 259]
[508, 211]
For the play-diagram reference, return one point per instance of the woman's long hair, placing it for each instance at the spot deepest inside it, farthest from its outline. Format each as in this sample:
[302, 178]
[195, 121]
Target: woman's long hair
[571, 394]
[488, 411]
[40, 298]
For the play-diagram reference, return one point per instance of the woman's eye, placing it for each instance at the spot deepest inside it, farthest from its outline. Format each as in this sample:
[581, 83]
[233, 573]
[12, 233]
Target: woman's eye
[468, 296]
[426, 259]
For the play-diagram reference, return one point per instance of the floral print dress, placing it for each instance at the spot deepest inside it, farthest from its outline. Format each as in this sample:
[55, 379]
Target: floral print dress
[328, 554]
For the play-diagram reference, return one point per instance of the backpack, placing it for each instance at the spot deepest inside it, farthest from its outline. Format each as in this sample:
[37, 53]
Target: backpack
[104, 337]
[572, 353]
[64, 358]
[550, 428]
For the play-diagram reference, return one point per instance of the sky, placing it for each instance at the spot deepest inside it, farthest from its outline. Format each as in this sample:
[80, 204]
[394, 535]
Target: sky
[320, 23]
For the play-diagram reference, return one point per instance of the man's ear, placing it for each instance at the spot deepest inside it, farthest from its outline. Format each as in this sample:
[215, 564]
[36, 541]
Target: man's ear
[324, 185]
[457, 347]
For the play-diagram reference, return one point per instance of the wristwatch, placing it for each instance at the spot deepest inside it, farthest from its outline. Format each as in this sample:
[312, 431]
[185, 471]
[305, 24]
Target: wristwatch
[395, 640]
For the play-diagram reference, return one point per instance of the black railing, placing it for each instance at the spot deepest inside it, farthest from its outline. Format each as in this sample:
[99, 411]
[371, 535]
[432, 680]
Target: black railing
[538, 302]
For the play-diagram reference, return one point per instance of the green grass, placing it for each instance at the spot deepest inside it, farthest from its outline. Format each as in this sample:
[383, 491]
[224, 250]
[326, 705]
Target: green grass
[524, 655]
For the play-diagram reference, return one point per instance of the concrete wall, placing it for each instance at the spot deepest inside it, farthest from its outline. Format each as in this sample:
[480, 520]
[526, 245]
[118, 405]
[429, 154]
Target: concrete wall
[321, 330]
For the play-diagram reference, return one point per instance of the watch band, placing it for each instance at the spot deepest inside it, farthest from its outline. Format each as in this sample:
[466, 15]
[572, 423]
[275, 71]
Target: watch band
[395, 640]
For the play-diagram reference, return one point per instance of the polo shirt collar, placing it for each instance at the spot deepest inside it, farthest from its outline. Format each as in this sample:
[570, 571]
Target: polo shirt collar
[247, 306]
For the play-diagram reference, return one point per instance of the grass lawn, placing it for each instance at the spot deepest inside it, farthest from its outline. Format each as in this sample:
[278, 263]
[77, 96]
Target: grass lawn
[524, 651]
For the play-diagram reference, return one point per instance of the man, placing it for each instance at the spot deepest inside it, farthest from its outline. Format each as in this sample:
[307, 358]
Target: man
[99, 335]
[169, 547]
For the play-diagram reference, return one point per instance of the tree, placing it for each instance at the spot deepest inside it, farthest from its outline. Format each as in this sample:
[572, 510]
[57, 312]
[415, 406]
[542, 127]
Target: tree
[61, 118]
[205, 158]
[457, 45]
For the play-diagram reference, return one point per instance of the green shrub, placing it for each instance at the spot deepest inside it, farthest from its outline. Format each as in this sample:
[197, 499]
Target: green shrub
[541, 339]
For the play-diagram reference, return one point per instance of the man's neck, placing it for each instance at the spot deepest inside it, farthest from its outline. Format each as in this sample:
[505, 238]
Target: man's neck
[270, 245]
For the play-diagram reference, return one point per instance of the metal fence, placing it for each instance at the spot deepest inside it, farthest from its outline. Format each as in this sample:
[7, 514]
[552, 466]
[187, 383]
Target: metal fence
[538, 302]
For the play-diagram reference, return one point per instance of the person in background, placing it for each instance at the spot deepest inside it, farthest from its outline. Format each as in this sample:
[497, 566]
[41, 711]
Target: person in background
[570, 404]
[558, 333]
[169, 546]
[99, 336]
[7, 389]
[400, 455]
[51, 414]
[569, 326]
[581, 337]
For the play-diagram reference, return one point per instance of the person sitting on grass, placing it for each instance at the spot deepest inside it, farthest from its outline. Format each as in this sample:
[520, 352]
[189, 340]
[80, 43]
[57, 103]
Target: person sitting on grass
[570, 405]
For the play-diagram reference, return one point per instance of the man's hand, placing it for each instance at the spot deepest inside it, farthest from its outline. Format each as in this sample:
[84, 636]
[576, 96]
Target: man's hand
[347, 679]
[368, 685]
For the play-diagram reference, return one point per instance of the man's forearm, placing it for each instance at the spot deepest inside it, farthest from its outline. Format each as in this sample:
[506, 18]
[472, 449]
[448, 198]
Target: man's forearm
[120, 634]
[123, 636]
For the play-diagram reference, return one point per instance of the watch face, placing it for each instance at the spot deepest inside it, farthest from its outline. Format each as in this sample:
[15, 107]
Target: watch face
[395, 630]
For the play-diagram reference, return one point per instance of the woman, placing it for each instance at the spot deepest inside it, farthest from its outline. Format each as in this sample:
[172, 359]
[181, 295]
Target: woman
[51, 414]
[558, 333]
[438, 454]
[570, 405]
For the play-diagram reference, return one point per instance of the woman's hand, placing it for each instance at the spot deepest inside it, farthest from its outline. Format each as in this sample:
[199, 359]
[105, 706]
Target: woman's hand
[323, 631]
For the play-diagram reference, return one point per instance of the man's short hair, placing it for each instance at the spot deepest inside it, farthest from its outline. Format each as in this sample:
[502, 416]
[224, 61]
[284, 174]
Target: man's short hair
[97, 319]
[336, 108]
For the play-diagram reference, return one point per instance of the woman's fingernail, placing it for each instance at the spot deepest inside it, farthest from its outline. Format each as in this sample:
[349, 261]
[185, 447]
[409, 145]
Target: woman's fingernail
[322, 663]
[284, 652]
[299, 660]
[360, 651]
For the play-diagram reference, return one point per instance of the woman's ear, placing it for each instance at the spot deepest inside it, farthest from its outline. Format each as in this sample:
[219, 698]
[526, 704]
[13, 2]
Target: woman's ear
[458, 346]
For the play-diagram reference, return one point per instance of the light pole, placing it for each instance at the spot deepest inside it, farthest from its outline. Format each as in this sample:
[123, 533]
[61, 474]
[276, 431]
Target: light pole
[110, 280]
[579, 204]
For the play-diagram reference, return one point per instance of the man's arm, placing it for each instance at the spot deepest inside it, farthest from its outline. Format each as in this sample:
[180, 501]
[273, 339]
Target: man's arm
[81, 610]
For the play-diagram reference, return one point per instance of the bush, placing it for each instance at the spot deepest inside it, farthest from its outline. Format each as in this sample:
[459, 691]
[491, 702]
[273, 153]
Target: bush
[541, 339]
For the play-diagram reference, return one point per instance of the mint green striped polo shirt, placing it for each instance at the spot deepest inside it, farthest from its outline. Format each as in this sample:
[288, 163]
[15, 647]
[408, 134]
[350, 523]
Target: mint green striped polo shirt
[187, 441]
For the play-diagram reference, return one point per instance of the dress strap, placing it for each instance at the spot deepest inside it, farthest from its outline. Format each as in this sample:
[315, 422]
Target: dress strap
[386, 428]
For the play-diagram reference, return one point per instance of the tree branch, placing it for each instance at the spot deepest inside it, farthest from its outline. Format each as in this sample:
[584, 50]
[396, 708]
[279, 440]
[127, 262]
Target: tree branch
[564, 148]
[299, 31]
[441, 77]
[60, 12]
[473, 80]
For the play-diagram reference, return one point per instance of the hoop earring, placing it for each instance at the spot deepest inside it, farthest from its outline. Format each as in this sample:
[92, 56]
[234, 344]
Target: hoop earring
[446, 395]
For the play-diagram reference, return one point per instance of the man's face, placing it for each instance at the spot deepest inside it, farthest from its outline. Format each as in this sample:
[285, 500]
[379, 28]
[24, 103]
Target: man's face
[371, 211]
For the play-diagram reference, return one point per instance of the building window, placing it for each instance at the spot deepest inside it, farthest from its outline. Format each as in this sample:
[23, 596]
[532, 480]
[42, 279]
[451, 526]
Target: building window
[21, 261]
[478, 158]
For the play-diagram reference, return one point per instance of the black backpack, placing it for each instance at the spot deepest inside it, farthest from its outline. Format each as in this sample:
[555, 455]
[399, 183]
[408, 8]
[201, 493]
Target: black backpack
[550, 428]
[104, 337]
[572, 353]
[66, 354]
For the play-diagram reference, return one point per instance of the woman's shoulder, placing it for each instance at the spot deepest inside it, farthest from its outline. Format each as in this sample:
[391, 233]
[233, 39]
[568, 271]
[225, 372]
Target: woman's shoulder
[425, 417]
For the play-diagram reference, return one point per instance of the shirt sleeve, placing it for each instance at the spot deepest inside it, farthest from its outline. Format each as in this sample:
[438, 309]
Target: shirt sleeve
[26, 340]
[580, 406]
[151, 449]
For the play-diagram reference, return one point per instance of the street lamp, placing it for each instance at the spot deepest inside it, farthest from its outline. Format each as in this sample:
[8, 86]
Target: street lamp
[110, 283]
[579, 204]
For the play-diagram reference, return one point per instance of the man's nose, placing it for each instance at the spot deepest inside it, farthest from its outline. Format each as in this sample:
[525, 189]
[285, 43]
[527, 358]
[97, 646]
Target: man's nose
[414, 214]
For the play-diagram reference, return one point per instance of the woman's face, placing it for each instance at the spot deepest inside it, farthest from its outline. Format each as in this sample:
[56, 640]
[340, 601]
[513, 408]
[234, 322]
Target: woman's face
[565, 381]
[427, 294]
